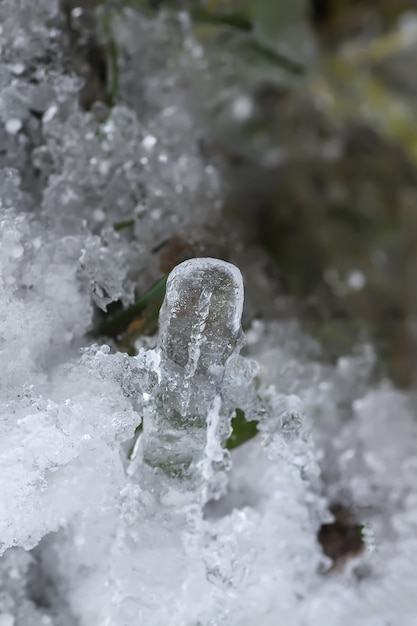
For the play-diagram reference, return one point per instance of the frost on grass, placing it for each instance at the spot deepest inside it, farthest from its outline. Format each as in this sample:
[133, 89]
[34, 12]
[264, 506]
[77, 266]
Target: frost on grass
[100, 526]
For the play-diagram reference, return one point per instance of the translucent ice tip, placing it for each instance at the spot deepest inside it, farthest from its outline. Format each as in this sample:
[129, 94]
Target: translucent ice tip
[200, 319]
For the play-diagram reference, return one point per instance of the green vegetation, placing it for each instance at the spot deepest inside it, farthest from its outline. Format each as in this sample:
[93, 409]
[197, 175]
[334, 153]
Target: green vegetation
[242, 432]
[115, 325]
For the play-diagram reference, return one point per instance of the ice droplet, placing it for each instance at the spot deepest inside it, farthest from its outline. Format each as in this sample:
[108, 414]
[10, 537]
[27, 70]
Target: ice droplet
[77, 12]
[242, 108]
[13, 125]
[50, 113]
[149, 142]
[17, 69]
[356, 280]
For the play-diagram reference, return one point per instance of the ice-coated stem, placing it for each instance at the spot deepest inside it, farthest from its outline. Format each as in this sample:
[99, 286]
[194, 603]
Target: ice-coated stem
[200, 328]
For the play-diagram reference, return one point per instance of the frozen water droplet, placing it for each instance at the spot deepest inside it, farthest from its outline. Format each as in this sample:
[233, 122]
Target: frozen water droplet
[242, 108]
[17, 69]
[149, 142]
[356, 280]
[99, 215]
[104, 167]
[13, 125]
[50, 113]
[76, 12]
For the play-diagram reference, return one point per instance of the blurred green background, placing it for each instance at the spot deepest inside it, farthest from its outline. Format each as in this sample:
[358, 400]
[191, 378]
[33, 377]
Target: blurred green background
[313, 121]
[323, 169]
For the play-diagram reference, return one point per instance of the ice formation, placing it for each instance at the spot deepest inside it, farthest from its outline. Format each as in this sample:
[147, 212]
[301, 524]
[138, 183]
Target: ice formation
[193, 350]
[100, 527]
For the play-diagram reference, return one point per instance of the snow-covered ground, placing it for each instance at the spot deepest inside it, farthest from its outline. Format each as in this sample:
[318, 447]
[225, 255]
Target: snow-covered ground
[91, 533]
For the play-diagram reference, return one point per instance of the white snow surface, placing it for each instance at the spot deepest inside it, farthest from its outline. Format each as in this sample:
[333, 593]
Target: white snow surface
[91, 535]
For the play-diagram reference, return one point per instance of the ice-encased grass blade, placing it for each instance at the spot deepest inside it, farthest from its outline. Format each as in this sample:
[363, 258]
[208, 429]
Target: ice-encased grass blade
[200, 328]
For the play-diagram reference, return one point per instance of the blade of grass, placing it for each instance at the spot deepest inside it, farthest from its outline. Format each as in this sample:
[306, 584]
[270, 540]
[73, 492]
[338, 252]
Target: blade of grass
[115, 326]
[242, 430]
[264, 52]
[118, 226]
[233, 20]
